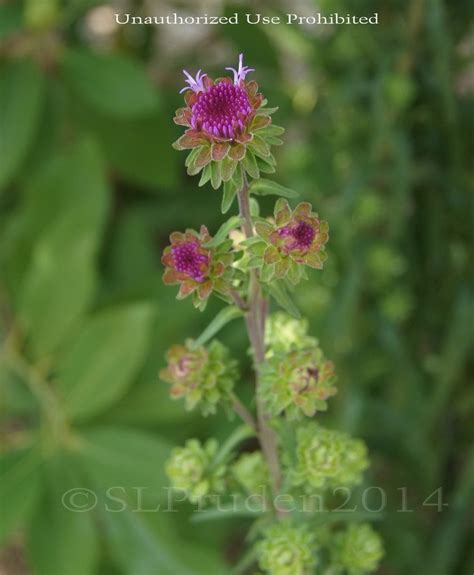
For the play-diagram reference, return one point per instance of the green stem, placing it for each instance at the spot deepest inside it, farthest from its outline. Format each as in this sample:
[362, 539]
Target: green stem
[255, 321]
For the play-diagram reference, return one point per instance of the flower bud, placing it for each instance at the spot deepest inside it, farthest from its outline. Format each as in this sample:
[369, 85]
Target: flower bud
[190, 469]
[202, 376]
[326, 458]
[284, 333]
[229, 131]
[297, 383]
[196, 268]
[294, 239]
[358, 549]
[286, 549]
[251, 472]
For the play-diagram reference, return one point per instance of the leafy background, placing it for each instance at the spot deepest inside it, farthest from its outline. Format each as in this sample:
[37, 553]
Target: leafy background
[379, 138]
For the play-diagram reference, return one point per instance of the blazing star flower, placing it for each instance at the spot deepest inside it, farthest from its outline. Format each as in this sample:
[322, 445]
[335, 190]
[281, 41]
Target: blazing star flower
[191, 470]
[203, 376]
[326, 458]
[287, 549]
[358, 550]
[293, 240]
[297, 383]
[197, 269]
[227, 126]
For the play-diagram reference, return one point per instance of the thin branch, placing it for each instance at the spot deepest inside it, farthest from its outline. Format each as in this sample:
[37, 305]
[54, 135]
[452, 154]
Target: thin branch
[244, 413]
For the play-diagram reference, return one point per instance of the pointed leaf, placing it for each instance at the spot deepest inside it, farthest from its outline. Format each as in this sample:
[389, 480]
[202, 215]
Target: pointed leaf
[264, 187]
[226, 315]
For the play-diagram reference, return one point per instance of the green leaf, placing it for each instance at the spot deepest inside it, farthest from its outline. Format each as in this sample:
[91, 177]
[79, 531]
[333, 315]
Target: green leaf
[60, 280]
[249, 164]
[19, 489]
[279, 292]
[232, 511]
[205, 176]
[228, 196]
[11, 20]
[264, 187]
[102, 360]
[223, 231]
[226, 315]
[59, 539]
[126, 460]
[114, 85]
[21, 102]
[138, 149]
[271, 130]
[216, 177]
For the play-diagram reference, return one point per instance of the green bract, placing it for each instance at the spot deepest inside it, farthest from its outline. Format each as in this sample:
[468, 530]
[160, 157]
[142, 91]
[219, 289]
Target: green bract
[251, 472]
[286, 549]
[203, 376]
[327, 458]
[297, 383]
[190, 469]
[357, 550]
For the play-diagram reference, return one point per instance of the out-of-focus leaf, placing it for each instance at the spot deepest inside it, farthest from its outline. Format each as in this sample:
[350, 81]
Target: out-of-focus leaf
[21, 98]
[129, 462]
[60, 281]
[263, 187]
[222, 318]
[101, 361]
[223, 231]
[280, 293]
[10, 20]
[19, 489]
[145, 543]
[60, 539]
[113, 85]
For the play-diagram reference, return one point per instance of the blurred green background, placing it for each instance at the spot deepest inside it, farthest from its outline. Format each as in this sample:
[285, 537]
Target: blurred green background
[379, 137]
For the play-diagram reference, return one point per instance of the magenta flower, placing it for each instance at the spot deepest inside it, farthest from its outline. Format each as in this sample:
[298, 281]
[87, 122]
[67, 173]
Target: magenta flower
[196, 85]
[195, 268]
[226, 123]
[241, 72]
[295, 238]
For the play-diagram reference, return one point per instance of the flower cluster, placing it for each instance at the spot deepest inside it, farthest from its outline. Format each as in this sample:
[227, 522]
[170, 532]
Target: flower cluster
[229, 130]
[197, 269]
[294, 239]
[357, 550]
[286, 549]
[202, 376]
[191, 469]
[297, 383]
[251, 472]
[251, 260]
[327, 458]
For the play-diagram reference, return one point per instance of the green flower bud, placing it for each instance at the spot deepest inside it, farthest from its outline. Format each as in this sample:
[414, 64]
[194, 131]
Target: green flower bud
[358, 549]
[286, 550]
[203, 376]
[190, 469]
[251, 472]
[327, 458]
[297, 383]
[284, 334]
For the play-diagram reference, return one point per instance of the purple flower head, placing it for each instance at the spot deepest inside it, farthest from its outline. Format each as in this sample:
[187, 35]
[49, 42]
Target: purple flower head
[189, 259]
[241, 72]
[196, 85]
[221, 110]
[300, 236]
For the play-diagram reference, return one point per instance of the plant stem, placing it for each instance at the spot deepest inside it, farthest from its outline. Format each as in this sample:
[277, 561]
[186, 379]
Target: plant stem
[243, 412]
[255, 321]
